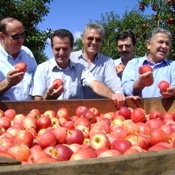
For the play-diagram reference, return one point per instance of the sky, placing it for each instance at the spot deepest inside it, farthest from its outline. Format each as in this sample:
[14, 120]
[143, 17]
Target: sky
[74, 14]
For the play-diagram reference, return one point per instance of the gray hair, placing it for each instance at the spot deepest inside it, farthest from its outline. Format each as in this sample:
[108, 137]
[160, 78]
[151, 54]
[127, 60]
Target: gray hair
[95, 26]
[159, 30]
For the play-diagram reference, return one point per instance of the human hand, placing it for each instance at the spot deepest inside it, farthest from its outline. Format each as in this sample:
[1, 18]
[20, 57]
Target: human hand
[169, 93]
[14, 77]
[118, 100]
[53, 93]
[146, 79]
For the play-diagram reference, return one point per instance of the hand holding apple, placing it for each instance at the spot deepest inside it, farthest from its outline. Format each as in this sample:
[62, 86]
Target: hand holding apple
[55, 90]
[166, 89]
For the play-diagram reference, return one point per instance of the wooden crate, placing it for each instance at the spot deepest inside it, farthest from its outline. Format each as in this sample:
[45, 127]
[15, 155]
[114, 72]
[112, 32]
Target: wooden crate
[149, 163]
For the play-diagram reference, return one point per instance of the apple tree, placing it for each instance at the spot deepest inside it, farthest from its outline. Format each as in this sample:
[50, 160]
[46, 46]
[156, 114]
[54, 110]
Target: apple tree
[163, 15]
[30, 13]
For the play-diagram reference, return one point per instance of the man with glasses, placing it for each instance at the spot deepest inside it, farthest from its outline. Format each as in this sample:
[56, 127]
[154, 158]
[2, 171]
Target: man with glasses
[14, 84]
[102, 67]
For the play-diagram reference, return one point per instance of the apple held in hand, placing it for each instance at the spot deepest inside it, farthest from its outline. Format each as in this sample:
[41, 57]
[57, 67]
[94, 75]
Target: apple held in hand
[57, 83]
[120, 67]
[21, 66]
[145, 68]
[163, 85]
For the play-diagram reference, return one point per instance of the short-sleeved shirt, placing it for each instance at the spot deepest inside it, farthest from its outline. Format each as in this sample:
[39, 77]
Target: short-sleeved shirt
[21, 90]
[103, 69]
[164, 70]
[72, 77]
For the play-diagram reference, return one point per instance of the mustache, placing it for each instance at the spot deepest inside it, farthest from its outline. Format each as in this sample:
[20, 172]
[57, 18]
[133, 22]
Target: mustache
[124, 52]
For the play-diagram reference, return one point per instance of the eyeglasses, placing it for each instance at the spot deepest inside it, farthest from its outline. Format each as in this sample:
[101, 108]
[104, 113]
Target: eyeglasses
[16, 36]
[97, 40]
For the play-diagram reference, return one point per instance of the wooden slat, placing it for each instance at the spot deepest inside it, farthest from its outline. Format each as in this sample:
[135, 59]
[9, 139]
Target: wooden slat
[150, 163]
[4, 161]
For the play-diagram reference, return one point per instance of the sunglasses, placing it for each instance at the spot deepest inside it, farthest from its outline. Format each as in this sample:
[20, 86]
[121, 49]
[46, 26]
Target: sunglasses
[97, 40]
[16, 36]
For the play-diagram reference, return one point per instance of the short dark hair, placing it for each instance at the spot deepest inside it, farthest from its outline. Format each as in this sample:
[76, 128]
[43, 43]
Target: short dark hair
[127, 34]
[61, 33]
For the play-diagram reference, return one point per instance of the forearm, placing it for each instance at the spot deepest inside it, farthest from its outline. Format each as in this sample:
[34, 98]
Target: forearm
[101, 89]
[138, 86]
[4, 86]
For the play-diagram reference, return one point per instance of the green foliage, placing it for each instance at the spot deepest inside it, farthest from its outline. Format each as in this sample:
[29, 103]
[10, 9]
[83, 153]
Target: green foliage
[30, 13]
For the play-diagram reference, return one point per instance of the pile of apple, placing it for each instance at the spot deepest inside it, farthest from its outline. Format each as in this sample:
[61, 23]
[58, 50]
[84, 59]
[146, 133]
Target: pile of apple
[56, 136]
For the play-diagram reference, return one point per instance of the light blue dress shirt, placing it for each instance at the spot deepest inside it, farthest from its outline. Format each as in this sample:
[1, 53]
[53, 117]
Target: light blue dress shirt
[73, 77]
[118, 61]
[164, 70]
[103, 69]
[21, 90]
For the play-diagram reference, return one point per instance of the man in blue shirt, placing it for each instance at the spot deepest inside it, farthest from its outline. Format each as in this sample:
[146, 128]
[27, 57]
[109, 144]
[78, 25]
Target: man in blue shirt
[102, 67]
[14, 84]
[158, 47]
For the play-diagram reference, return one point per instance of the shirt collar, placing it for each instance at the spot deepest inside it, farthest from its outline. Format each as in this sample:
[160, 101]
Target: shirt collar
[54, 64]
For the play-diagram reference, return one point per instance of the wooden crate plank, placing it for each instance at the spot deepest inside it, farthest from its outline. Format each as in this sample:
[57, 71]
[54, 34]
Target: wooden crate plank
[4, 161]
[150, 163]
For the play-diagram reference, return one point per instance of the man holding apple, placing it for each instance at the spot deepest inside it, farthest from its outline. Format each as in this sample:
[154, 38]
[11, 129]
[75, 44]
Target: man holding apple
[17, 61]
[126, 44]
[73, 75]
[102, 67]
[139, 79]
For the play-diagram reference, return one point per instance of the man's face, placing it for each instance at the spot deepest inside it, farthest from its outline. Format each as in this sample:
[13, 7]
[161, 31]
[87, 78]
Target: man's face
[158, 47]
[126, 48]
[92, 41]
[13, 39]
[61, 50]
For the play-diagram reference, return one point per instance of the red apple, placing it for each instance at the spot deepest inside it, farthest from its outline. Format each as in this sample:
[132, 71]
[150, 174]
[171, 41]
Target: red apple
[82, 121]
[145, 68]
[57, 83]
[80, 110]
[25, 137]
[154, 114]
[5, 122]
[120, 67]
[83, 153]
[155, 123]
[1, 113]
[30, 122]
[74, 136]
[60, 134]
[138, 115]
[68, 124]
[95, 111]
[125, 111]
[121, 145]
[50, 113]
[157, 135]
[99, 140]
[163, 85]
[46, 139]
[90, 116]
[10, 113]
[85, 130]
[44, 121]
[63, 113]
[6, 143]
[64, 152]
[20, 152]
[21, 66]
[109, 153]
[35, 113]
[119, 132]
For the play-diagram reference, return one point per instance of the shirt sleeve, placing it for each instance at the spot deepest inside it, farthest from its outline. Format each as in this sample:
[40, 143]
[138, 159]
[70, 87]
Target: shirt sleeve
[87, 77]
[111, 78]
[130, 75]
[39, 85]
